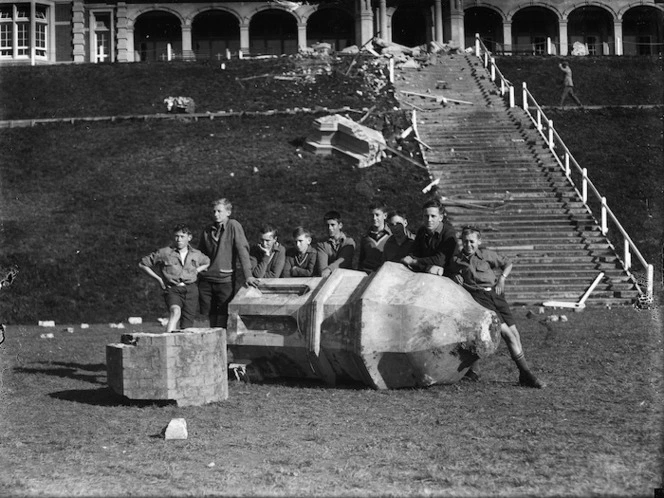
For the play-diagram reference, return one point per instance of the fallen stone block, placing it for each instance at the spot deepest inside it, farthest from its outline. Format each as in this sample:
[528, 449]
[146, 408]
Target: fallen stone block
[46, 323]
[176, 429]
[135, 320]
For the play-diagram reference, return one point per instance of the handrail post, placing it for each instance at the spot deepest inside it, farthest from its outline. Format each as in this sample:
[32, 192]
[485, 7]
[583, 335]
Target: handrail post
[486, 59]
[651, 277]
[584, 185]
[511, 96]
[539, 120]
[525, 97]
[627, 256]
[604, 226]
[493, 69]
[551, 144]
[568, 170]
[502, 87]
[477, 45]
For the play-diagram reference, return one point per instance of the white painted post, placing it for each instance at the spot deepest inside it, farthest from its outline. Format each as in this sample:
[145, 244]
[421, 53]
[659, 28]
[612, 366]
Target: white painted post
[414, 121]
[239, 54]
[539, 120]
[486, 59]
[525, 97]
[493, 69]
[604, 227]
[651, 277]
[548, 45]
[511, 96]
[502, 87]
[169, 52]
[228, 54]
[392, 70]
[477, 45]
[551, 144]
[627, 256]
[584, 185]
[567, 168]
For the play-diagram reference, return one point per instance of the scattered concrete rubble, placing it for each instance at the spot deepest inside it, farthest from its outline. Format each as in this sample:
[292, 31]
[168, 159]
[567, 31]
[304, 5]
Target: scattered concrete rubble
[180, 105]
[176, 429]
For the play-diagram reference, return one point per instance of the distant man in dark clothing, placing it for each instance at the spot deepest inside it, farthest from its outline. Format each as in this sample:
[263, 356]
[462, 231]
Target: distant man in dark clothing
[435, 242]
[568, 85]
[224, 242]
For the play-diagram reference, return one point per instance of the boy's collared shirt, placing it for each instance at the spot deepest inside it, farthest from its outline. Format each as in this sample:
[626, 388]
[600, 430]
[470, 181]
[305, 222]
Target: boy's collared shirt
[335, 253]
[435, 248]
[393, 251]
[267, 266]
[166, 261]
[477, 269]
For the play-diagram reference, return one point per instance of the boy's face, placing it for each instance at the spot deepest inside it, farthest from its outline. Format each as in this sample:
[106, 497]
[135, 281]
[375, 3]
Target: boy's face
[470, 241]
[302, 243]
[182, 239]
[220, 213]
[432, 218]
[334, 228]
[397, 225]
[378, 218]
[267, 241]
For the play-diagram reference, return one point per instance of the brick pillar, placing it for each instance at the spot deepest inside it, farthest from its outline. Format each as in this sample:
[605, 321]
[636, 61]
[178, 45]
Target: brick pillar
[187, 51]
[618, 33]
[123, 34]
[189, 367]
[245, 44]
[78, 30]
[302, 36]
[507, 37]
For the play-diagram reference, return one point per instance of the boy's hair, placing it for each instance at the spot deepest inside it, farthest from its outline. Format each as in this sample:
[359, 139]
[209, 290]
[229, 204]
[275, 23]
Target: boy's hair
[433, 203]
[224, 202]
[301, 231]
[332, 215]
[379, 205]
[269, 229]
[471, 229]
[392, 214]
[182, 227]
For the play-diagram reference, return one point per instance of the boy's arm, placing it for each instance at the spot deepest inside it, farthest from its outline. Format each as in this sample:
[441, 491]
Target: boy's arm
[259, 261]
[277, 266]
[204, 263]
[500, 285]
[286, 272]
[242, 248]
[345, 256]
[310, 268]
[321, 259]
[146, 264]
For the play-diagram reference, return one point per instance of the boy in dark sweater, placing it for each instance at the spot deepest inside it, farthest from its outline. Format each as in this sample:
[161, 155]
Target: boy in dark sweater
[301, 259]
[373, 242]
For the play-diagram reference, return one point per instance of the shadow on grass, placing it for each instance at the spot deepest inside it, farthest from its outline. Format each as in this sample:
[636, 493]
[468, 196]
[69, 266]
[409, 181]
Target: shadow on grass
[104, 396]
[70, 371]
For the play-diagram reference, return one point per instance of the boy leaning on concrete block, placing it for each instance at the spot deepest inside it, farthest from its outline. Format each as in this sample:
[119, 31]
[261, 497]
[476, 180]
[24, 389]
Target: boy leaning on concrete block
[176, 269]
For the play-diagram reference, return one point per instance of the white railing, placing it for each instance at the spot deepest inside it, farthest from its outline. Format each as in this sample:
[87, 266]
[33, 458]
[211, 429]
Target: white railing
[571, 168]
[490, 64]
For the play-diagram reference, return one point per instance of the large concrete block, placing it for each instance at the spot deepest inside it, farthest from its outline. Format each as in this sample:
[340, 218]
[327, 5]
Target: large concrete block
[395, 328]
[170, 366]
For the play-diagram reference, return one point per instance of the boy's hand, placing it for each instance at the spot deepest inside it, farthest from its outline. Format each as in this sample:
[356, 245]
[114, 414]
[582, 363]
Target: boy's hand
[500, 286]
[326, 272]
[252, 281]
[408, 261]
[436, 270]
[458, 279]
[161, 283]
[265, 250]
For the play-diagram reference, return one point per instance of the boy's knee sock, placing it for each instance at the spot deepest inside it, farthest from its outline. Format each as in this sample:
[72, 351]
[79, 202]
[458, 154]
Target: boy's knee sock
[521, 362]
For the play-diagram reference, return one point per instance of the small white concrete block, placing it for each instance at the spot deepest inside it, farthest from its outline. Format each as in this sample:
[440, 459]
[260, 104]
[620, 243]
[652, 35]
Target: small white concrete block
[162, 321]
[46, 323]
[47, 336]
[176, 429]
[70, 330]
[135, 320]
[85, 326]
[563, 318]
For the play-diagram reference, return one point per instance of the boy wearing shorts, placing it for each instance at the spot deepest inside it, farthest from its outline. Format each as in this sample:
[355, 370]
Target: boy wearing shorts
[176, 269]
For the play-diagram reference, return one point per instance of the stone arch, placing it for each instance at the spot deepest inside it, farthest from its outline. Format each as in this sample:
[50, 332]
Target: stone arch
[213, 31]
[331, 25]
[273, 31]
[643, 29]
[155, 30]
[592, 26]
[532, 26]
[590, 3]
[274, 6]
[488, 22]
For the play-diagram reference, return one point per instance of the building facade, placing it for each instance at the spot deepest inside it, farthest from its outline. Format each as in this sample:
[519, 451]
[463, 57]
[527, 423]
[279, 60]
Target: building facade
[62, 31]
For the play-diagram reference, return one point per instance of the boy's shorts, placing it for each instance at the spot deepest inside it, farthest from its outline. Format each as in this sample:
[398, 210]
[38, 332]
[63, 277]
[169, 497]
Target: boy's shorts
[495, 302]
[186, 297]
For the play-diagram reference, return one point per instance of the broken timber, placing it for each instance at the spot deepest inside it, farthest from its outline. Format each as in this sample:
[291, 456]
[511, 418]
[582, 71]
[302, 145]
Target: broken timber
[437, 98]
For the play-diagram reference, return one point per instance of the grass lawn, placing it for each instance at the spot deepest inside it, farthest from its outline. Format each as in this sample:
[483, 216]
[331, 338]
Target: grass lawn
[596, 430]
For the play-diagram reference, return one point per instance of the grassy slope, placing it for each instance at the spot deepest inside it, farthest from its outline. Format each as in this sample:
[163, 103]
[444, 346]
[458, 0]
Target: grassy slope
[84, 205]
[595, 431]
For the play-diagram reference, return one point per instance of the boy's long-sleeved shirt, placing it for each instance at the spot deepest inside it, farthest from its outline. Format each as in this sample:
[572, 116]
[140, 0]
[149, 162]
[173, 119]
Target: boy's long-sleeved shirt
[335, 253]
[300, 265]
[395, 252]
[434, 248]
[224, 250]
[264, 266]
[477, 269]
[167, 263]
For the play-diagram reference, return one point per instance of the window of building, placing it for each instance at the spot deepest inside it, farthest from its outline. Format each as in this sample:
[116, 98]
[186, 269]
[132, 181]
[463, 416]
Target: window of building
[101, 36]
[591, 43]
[17, 23]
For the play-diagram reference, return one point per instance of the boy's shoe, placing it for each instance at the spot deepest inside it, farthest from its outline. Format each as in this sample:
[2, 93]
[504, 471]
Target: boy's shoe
[471, 375]
[527, 379]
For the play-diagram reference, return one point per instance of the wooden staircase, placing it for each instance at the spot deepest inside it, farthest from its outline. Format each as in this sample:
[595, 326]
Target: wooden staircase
[497, 173]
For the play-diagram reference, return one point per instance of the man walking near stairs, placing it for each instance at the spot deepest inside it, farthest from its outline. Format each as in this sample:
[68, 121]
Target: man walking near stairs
[568, 85]
[474, 269]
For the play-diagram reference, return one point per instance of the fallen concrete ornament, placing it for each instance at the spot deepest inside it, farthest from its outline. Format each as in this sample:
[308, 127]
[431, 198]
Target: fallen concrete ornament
[392, 329]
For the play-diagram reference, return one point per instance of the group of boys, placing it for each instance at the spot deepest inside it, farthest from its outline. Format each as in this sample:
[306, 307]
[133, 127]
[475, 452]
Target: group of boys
[205, 276]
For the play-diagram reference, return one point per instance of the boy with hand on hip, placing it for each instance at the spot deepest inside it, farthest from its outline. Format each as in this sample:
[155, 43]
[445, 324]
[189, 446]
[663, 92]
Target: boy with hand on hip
[224, 242]
[474, 269]
[301, 259]
[176, 269]
[268, 256]
[338, 250]
[373, 243]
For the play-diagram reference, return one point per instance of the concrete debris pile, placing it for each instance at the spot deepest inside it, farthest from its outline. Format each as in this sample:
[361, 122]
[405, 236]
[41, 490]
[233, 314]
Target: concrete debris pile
[340, 135]
[412, 57]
